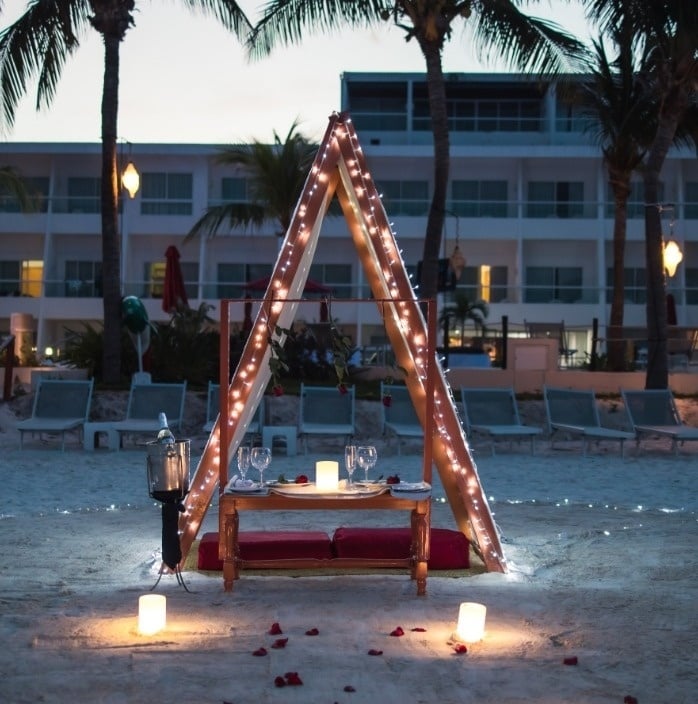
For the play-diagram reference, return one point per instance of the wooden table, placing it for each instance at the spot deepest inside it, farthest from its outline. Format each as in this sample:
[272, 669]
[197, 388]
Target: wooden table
[230, 506]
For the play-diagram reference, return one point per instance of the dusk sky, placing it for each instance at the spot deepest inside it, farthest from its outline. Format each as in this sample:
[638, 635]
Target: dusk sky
[185, 80]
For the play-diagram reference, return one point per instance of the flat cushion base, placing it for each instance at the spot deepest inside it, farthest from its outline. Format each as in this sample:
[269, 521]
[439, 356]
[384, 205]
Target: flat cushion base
[449, 549]
[268, 545]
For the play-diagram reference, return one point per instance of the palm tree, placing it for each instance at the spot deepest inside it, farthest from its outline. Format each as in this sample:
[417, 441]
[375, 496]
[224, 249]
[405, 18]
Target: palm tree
[618, 113]
[37, 45]
[12, 185]
[525, 42]
[276, 175]
[462, 310]
[667, 31]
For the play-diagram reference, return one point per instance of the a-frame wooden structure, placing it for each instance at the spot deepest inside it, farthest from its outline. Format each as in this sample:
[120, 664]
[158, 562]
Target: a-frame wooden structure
[340, 169]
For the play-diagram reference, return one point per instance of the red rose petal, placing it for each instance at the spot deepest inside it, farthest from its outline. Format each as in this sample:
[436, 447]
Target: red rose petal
[397, 632]
[293, 679]
[419, 630]
[627, 699]
[260, 652]
[279, 681]
[312, 632]
[373, 651]
[572, 660]
[275, 629]
[461, 648]
[349, 688]
[279, 643]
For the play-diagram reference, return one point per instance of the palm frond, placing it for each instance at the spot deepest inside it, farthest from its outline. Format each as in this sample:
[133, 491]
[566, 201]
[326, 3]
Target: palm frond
[227, 12]
[235, 214]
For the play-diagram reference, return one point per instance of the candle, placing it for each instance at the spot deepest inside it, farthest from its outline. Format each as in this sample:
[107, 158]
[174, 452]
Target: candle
[152, 614]
[327, 475]
[471, 622]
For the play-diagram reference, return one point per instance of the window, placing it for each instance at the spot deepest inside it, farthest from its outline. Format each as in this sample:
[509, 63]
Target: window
[235, 190]
[691, 206]
[21, 278]
[84, 195]
[405, 197]
[83, 279]
[378, 106]
[155, 279]
[335, 276]
[561, 199]
[37, 189]
[166, 194]
[474, 199]
[547, 284]
[484, 283]
[691, 277]
[232, 279]
[635, 285]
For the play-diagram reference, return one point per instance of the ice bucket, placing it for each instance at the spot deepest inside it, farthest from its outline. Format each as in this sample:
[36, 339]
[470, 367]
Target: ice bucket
[168, 470]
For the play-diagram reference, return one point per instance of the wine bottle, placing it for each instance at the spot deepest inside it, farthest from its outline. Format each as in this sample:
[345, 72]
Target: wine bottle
[165, 436]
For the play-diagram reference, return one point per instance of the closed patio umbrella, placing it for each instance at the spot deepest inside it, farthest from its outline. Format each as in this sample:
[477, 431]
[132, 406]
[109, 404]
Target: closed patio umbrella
[173, 292]
[247, 322]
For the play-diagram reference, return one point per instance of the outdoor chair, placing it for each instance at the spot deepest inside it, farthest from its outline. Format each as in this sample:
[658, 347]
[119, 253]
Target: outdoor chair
[653, 412]
[553, 331]
[575, 412]
[399, 418]
[213, 406]
[324, 410]
[145, 402]
[60, 406]
[494, 413]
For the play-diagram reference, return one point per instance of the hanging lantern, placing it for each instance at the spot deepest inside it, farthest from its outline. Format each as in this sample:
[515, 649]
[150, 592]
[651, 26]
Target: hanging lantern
[457, 262]
[673, 256]
[131, 179]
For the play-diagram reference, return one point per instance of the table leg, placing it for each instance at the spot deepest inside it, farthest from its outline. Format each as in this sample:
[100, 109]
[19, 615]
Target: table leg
[420, 545]
[230, 554]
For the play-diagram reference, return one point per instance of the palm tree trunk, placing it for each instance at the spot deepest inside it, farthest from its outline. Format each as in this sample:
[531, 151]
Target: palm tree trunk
[111, 246]
[439, 127]
[620, 183]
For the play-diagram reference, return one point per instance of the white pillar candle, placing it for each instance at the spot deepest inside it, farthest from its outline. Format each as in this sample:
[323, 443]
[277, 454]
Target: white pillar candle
[152, 614]
[327, 475]
[471, 622]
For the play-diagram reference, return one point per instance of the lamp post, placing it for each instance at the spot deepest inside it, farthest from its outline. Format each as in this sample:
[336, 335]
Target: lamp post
[130, 182]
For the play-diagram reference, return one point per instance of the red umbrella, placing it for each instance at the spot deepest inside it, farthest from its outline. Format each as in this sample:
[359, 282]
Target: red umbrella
[173, 292]
[324, 312]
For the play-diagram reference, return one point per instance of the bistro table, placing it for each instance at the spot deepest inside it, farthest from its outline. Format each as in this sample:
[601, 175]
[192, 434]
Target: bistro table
[231, 504]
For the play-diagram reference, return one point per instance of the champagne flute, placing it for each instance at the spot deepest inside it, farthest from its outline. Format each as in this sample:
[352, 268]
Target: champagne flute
[366, 457]
[350, 462]
[260, 457]
[243, 460]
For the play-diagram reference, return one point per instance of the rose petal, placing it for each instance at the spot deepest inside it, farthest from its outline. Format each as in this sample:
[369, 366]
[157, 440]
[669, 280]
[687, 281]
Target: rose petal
[279, 643]
[260, 652]
[373, 651]
[419, 630]
[275, 629]
[279, 681]
[628, 699]
[572, 660]
[293, 679]
[312, 632]
[397, 632]
[461, 648]
[349, 688]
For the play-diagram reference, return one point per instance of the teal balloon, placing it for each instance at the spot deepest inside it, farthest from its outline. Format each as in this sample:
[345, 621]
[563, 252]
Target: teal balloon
[134, 314]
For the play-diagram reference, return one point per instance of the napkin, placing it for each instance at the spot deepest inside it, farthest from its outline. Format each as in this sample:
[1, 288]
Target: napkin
[237, 482]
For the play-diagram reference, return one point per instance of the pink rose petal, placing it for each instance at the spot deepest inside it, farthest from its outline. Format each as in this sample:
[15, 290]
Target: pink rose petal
[260, 652]
[275, 629]
[279, 643]
[373, 651]
[397, 632]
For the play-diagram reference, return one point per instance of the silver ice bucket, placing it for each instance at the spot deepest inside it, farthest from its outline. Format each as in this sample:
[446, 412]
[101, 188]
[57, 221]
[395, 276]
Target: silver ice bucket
[168, 470]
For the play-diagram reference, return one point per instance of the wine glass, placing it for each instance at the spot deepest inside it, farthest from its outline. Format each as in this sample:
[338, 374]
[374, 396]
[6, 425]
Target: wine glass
[243, 460]
[350, 462]
[366, 457]
[260, 457]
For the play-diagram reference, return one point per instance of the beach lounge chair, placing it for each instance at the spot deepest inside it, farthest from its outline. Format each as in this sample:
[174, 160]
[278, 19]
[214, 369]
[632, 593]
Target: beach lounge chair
[213, 406]
[494, 413]
[60, 406]
[324, 410]
[575, 412]
[145, 402]
[399, 418]
[653, 412]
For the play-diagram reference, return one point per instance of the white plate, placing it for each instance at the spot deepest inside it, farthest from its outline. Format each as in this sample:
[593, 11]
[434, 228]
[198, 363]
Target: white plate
[410, 486]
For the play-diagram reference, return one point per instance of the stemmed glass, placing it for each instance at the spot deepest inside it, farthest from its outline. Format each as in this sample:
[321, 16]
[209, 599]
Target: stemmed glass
[261, 459]
[366, 457]
[350, 462]
[243, 460]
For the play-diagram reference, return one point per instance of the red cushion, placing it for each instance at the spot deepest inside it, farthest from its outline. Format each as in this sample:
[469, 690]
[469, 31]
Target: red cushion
[268, 545]
[449, 549]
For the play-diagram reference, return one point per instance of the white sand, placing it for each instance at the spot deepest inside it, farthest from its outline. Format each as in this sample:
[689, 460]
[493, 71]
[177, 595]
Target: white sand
[602, 558]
